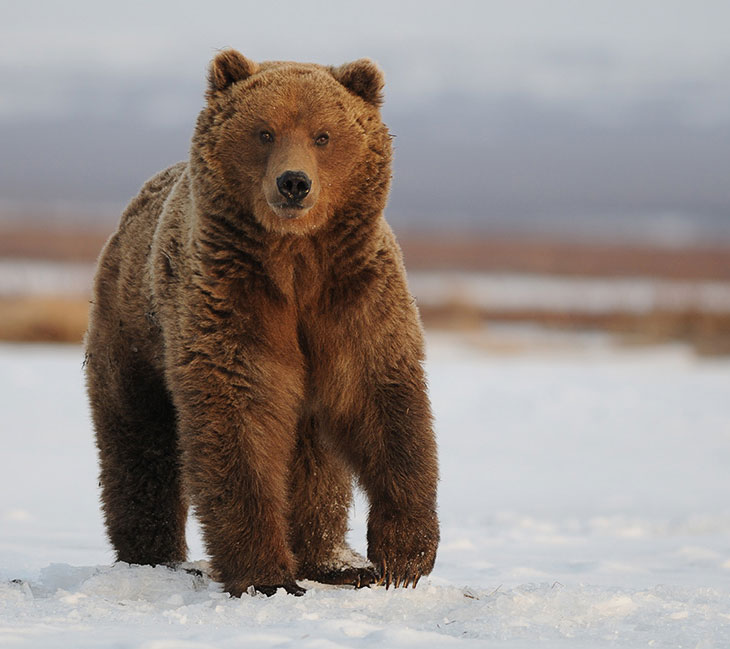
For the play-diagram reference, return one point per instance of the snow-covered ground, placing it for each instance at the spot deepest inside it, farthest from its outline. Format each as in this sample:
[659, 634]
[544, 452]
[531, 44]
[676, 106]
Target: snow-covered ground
[584, 503]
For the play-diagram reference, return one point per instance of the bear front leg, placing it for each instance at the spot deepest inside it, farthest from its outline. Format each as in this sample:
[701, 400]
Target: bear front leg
[237, 436]
[398, 467]
[320, 497]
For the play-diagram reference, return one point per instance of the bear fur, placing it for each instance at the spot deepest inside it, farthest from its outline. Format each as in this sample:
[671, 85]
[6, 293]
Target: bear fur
[253, 346]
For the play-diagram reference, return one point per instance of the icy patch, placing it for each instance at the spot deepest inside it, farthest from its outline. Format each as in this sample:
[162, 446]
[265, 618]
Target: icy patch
[64, 577]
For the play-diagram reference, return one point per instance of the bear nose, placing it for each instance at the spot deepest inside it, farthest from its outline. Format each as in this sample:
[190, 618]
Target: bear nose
[294, 185]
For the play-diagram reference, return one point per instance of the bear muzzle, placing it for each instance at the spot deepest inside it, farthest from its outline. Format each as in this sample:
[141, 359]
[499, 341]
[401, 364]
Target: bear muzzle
[295, 195]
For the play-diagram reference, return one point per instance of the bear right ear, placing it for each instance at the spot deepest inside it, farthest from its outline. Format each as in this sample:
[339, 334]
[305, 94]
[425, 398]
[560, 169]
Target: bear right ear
[227, 68]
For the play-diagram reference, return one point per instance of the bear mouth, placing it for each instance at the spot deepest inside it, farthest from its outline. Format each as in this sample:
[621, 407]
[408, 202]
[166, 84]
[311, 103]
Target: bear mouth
[289, 211]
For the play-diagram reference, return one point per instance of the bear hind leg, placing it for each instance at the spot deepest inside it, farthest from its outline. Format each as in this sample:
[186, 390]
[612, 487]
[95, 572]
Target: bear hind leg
[144, 508]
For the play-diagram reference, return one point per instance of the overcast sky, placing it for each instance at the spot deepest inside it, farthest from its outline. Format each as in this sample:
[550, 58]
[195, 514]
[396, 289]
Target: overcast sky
[602, 64]
[601, 55]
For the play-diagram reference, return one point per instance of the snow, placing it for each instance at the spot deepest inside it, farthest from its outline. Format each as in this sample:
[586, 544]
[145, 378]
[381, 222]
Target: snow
[583, 502]
[24, 277]
[591, 295]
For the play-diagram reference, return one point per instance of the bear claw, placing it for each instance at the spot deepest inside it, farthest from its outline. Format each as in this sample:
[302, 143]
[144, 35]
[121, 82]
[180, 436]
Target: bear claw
[389, 577]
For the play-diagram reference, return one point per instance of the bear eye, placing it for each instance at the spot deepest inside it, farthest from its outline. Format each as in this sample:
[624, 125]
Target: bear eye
[266, 137]
[322, 139]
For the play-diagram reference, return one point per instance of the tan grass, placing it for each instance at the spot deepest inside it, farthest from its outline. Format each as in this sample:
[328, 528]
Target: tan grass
[43, 319]
[64, 319]
[707, 332]
[481, 252]
[52, 242]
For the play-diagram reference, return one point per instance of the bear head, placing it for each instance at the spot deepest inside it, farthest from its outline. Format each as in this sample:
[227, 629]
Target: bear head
[291, 144]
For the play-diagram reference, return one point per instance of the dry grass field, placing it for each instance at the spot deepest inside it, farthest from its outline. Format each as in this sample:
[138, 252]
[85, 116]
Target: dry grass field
[51, 242]
[475, 252]
[525, 254]
[62, 318]
[43, 319]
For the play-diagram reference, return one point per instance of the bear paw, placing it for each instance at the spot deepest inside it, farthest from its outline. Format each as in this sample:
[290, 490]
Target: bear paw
[345, 568]
[291, 589]
[357, 577]
[403, 548]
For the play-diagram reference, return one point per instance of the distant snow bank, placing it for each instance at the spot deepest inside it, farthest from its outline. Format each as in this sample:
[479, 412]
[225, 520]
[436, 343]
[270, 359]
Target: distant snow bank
[591, 295]
[496, 292]
[31, 277]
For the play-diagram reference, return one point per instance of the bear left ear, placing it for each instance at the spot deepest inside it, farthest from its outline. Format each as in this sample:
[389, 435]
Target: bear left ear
[364, 78]
[227, 68]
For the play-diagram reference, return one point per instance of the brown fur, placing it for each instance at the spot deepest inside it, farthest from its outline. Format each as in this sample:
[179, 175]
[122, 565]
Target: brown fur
[250, 358]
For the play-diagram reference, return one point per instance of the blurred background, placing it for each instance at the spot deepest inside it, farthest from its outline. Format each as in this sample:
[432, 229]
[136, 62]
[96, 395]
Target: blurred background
[561, 168]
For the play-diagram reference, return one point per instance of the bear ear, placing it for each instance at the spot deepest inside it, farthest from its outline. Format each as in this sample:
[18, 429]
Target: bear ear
[227, 68]
[364, 78]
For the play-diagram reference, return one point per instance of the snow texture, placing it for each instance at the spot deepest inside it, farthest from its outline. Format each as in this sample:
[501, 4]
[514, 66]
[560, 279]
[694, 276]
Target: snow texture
[583, 501]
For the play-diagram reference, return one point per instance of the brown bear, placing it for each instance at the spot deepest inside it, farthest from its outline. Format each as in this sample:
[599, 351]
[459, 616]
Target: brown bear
[253, 346]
